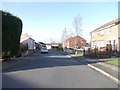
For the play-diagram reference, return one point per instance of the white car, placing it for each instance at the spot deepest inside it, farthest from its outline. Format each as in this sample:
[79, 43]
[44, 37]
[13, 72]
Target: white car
[70, 50]
[44, 50]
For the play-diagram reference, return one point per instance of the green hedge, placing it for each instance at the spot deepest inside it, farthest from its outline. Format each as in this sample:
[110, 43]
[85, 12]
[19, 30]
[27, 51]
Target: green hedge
[11, 32]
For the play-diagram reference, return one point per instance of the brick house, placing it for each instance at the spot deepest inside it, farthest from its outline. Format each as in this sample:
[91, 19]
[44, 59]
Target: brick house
[109, 33]
[76, 42]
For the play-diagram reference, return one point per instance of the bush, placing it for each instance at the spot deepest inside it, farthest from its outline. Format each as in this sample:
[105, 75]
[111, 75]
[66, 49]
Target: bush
[118, 54]
[11, 32]
[109, 50]
[102, 54]
[109, 47]
[91, 53]
[95, 53]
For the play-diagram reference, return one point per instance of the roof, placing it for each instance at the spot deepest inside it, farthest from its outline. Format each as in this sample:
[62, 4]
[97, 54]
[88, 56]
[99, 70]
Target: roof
[74, 37]
[53, 43]
[109, 24]
[25, 37]
[42, 43]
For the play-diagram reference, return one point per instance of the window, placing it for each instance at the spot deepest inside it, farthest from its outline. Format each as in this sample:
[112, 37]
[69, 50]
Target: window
[98, 33]
[68, 43]
[92, 44]
[114, 41]
[114, 45]
[109, 41]
[102, 32]
[108, 30]
[95, 44]
[98, 44]
[102, 44]
[92, 34]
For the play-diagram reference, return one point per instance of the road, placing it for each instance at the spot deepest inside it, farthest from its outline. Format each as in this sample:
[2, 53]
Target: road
[55, 70]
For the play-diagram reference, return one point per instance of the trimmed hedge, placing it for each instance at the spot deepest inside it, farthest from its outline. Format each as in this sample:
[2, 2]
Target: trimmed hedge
[11, 32]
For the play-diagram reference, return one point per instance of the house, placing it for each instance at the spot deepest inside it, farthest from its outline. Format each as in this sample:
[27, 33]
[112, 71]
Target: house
[54, 46]
[42, 44]
[49, 46]
[76, 42]
[37, 46]
[109, 33]
[26, 39]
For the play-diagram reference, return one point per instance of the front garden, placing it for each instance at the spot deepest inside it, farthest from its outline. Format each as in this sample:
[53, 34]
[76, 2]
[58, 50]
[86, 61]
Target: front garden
[105, 52]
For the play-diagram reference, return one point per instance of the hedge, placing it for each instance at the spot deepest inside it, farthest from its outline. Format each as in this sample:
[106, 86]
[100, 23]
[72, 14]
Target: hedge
[11, 32]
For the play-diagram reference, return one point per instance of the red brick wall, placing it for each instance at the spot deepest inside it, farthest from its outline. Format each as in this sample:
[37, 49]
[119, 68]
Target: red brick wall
[80, 41]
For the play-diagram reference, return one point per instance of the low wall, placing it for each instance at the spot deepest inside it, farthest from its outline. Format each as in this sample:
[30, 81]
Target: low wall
[28, 52]
[24, 53]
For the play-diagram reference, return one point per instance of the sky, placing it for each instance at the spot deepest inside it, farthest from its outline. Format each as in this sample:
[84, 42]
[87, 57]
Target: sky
[45, 21]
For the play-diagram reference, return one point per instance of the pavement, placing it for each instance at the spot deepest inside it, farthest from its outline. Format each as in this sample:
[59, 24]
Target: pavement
[107, 70]
[16, 62]
[110, 71]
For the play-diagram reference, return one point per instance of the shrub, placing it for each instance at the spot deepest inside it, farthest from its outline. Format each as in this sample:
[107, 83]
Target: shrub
[102, 54]
[91, 53]
[109, 50]
[109, 47]
[118, 54]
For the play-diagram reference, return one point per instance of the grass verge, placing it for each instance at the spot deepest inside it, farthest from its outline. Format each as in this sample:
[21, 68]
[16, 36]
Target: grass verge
[113, 62]
[78, 54]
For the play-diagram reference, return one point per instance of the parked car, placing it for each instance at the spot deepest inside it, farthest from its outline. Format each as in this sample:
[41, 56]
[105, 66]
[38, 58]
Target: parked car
[44, 50]
[70, 50]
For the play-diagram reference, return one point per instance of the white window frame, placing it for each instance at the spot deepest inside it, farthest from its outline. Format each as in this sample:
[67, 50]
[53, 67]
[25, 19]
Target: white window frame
[92, 35]
[102, 32]
[102, 43]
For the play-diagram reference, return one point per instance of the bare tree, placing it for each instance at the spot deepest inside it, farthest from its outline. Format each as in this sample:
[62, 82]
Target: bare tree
[51, 40]
[77, 23]
[67, 34]
[64, 35]
[71, 33]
